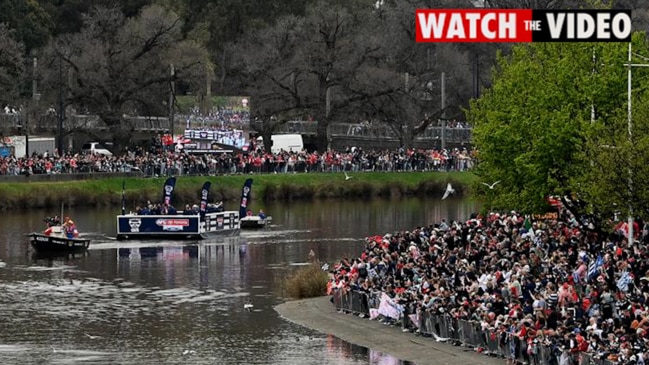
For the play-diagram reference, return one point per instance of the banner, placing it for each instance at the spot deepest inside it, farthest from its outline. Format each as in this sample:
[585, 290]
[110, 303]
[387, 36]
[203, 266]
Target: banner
[205, 191]
[522, 25]
[388, 308]
[168, 189]
[245, 198]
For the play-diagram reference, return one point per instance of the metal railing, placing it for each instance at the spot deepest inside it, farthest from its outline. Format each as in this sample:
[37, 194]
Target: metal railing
[444, 328]
[306, 128]
[451, 134]
[81, 121]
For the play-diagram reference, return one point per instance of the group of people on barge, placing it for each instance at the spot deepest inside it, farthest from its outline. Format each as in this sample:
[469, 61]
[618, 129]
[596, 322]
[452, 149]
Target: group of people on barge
[550, 282]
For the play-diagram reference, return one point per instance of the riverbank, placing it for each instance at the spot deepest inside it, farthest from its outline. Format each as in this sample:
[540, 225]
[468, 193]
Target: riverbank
[319, 314]
[107, 191]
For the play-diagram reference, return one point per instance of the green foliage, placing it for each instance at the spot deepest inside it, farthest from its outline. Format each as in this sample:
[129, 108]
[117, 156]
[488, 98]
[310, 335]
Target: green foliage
[107, 191]
[535, 132]
[12, 67]
[32, 25]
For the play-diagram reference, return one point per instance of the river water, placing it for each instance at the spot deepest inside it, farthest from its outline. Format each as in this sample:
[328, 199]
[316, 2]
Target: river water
[183, 303]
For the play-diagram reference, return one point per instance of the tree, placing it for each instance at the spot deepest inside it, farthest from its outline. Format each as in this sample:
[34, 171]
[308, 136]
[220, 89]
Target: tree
[319, 66]
[413, 73]
[617, 151]
[31, 23]
[532, 126]
[12, 67]
[117, 65]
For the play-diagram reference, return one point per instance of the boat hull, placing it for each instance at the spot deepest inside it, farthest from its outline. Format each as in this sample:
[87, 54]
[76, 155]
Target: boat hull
[254, 222]
[177, 227]
[55, 244]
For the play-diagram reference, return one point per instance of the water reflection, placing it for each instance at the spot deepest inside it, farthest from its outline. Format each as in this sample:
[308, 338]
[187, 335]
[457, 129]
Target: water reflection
[164, 302]
[344, 350]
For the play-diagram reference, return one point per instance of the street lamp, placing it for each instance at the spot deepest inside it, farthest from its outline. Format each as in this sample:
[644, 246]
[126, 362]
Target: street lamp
[630, 133]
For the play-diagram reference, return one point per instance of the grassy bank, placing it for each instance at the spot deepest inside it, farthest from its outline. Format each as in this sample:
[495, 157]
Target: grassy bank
[108, 191]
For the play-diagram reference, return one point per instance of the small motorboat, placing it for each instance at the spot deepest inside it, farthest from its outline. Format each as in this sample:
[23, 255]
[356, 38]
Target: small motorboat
[247, 220]
[55, 239]
[254, 221]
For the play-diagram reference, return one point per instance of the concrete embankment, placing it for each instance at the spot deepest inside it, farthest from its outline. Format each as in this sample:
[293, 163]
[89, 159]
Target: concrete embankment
[319, 314]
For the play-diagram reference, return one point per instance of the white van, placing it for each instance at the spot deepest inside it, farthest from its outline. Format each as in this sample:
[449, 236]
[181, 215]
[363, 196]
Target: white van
[286, 142]
[95, 148]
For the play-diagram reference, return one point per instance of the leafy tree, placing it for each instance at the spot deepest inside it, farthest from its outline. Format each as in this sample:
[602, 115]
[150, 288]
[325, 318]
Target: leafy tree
[68, 15]
[12, 67]
[31, 23]
[118, 65]
[617, 150]
[532, 126]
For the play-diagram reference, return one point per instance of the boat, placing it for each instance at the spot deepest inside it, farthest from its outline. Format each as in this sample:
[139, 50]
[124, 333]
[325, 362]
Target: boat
[55, 240]
[254, 222]
[201, 223]
[248, 220]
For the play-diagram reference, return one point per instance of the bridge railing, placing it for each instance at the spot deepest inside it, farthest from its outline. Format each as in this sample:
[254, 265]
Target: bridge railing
[451, 134]
[161, 124]
[10, 120]
[81, 121]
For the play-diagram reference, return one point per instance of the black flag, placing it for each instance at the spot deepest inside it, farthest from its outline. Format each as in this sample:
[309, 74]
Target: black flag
[170, 184]
[123, 198]
[245, 198]
[205, 191]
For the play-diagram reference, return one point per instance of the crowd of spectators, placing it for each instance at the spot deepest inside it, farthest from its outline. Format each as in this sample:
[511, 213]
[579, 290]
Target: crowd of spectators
[223, 117]
[554, 282]
[178, 163]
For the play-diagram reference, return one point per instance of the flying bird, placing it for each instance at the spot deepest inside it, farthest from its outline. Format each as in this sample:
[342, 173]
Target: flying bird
[92, 337]
[347, 177]
[492, 185]
[449, 191]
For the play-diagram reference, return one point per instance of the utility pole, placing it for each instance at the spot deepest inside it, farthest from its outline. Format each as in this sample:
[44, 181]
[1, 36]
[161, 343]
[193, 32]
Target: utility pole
[443, 82]
[476, 77]
[630, 136]
[35, 97]
[61, 110]
[172, 99]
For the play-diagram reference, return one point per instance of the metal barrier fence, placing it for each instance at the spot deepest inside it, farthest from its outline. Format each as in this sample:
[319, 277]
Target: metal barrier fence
[445, 328]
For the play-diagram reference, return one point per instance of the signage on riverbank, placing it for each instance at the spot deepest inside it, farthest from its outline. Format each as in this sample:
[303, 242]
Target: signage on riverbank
[522, 25]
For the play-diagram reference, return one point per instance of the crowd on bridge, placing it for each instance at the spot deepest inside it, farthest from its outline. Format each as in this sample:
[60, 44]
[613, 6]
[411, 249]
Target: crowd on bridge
[218, 116]
[554, 282]
[178, 163]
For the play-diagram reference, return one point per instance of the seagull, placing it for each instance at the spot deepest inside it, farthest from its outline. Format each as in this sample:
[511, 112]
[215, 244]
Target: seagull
[92, 337]
[449, 191]
[438, 338]
[347, 177]
[248, 306]
[492, 185]
[187, 352]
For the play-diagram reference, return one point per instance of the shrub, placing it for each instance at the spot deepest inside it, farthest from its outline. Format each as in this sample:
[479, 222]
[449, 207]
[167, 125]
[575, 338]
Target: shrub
[307, 282]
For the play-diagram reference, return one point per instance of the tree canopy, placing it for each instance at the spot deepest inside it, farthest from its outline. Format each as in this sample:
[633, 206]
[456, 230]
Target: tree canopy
[329, 61]
[553, 123]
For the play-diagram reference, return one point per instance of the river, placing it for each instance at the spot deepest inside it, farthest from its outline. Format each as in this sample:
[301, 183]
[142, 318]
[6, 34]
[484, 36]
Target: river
[183, 303]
